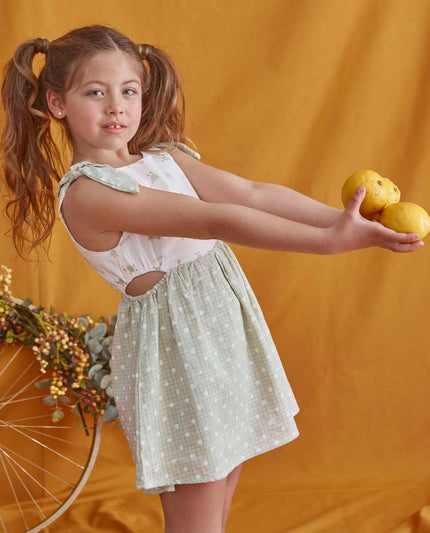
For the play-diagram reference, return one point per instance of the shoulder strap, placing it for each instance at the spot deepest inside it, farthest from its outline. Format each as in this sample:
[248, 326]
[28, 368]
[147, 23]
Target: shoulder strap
[111, 176]
[188, 150]
[182, 147]
[105, 174]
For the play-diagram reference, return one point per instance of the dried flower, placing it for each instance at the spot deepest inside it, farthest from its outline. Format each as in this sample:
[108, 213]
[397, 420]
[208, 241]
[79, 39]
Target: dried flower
[73, 351]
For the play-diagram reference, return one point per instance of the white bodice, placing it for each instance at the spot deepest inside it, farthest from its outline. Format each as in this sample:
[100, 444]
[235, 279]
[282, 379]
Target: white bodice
[137, 254]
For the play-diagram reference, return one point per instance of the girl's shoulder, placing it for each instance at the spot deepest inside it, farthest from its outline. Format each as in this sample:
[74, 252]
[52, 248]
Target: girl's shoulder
[116, 178]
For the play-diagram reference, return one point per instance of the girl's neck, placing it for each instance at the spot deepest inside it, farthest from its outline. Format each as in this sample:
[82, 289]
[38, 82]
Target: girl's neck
[132, 159]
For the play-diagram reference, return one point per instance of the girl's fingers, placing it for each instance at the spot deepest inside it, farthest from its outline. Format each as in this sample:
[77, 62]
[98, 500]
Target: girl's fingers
[356, 200]
[394, 236]
[406, 247]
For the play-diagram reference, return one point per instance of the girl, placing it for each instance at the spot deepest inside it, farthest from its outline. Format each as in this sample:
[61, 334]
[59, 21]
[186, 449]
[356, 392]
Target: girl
[198, 382]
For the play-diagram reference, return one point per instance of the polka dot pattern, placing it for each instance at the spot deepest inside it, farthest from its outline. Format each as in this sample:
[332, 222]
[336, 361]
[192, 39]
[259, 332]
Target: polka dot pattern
[197, 379]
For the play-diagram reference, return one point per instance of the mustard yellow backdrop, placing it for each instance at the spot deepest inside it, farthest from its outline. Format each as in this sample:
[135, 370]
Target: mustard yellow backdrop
[300, 93]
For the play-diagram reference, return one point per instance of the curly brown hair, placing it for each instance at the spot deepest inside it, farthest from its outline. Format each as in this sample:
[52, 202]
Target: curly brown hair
[31, 159]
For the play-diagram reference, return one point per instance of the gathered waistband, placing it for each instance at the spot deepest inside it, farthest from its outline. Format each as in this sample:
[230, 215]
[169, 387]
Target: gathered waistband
[220, 245]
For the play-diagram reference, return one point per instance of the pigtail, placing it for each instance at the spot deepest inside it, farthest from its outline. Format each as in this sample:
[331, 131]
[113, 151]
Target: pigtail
[29, 154]
[162, 118]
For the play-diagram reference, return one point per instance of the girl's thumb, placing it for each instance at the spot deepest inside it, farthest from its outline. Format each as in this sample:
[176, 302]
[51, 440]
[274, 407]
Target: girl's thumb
[356, 199]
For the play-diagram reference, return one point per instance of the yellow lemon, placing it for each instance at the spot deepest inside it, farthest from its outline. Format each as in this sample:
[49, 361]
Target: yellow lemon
[406, 217]
[393, 192]
[379, 191]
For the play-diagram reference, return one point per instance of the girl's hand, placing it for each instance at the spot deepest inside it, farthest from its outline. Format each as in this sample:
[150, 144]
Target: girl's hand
[351, 231]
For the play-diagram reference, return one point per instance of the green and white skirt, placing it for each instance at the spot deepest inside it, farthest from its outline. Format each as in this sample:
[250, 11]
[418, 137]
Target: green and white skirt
[197, 379]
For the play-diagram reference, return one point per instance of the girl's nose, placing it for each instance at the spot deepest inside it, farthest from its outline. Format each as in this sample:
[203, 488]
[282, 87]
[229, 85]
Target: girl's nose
[114, 107]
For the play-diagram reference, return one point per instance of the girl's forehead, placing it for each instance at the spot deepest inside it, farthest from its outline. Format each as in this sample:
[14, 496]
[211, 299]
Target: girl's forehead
[108, 66]
[109, 63]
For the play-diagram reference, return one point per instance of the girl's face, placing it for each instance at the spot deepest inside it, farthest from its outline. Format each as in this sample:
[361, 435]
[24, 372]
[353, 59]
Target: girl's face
[110, 92]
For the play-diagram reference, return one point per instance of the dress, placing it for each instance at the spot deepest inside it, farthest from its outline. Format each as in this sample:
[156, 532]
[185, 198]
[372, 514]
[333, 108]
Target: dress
[197, 379]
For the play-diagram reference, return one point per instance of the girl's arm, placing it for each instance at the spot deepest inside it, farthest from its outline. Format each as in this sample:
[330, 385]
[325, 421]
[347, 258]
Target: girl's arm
[215, 185]
[288, 203]
[161, 213]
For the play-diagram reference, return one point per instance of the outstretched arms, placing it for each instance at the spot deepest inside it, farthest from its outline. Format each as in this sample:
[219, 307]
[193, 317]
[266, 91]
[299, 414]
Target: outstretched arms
[215, 185]
[161, 213]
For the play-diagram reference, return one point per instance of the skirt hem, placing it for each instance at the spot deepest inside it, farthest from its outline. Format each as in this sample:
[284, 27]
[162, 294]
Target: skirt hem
[169, 486]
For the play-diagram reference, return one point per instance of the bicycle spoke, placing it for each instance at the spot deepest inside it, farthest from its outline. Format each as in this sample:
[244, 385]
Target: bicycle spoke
[10, 398]
[33, 448]
[11, 359]
[25, 426]
[34, 479]
[30, 418]
[2, 523]
[20, 376]
[15, 428]
[71, 443]
[44, 470]
[13, 491]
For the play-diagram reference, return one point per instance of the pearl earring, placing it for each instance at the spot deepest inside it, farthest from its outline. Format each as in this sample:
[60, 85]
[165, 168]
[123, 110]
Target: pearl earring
[59, 113]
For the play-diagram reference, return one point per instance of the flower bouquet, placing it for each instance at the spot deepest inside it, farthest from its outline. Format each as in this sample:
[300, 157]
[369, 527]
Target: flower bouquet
[73, 352]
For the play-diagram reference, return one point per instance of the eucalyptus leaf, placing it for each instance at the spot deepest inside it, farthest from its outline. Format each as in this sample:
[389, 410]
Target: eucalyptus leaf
[105, 381]
[105, 354]
[110, 414]
[57, 415]
[99, 331]
[82, 321]
[109, 391]
[106, 342]
[99, 376]
[43, 383]
[64, 399]
[93, 370]
[49, 400]
[94, 346]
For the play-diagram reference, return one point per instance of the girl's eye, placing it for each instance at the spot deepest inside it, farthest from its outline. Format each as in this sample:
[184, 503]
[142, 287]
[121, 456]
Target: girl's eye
[99, 91]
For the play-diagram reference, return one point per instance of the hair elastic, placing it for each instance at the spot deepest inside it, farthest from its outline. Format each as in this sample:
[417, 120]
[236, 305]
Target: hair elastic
[41, 45]
[144, 50]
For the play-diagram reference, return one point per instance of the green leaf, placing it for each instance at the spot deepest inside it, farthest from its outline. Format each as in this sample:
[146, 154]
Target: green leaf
[105, 381]
[94, 346]
[99, 376]
[105, 354]
[57, 415]
[93, 370]
[64, 399]
[49, 400]
[99, 331]
[43, 383]
[106, 342]
[110, 414]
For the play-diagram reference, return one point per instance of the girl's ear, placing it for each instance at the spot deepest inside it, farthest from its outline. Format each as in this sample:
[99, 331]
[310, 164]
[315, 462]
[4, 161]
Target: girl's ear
[55, 104]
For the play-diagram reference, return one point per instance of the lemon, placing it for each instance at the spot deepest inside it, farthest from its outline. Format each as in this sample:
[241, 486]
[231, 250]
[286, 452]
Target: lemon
[406, 217]
[393, 192]
[379, 191]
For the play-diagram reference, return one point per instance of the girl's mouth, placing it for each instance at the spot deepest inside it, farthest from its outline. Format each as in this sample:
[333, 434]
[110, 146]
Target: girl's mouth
[114, 129]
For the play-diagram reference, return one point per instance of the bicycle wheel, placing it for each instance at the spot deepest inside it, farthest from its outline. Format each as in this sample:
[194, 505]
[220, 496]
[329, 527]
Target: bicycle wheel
[43, 465]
